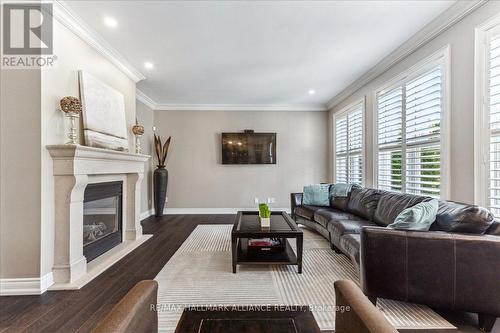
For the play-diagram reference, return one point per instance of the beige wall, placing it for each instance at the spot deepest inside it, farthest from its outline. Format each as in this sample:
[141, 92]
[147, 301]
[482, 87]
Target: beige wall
[62, 80]
[145, 118]
[20, 183]
[30, 120]
[197, 179]
[460, 37]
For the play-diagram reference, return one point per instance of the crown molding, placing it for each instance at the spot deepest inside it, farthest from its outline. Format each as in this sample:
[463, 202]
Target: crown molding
[75, 24]
[145, 99]
[240, 107]
[444, 21]
[149, 102]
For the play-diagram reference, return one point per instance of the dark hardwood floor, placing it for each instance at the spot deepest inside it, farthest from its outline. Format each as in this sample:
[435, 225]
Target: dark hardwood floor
[80, 310]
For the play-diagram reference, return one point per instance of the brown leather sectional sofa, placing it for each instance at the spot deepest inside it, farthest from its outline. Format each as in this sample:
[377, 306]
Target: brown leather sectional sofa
[455, 265]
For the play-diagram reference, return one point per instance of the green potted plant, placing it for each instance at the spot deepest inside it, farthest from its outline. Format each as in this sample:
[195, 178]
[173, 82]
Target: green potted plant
[264, 215]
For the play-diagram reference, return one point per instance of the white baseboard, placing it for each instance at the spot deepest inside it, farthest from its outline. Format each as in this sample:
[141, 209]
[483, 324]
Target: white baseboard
[180, 211]
[177, 211]
[146, 214]
[26, 286]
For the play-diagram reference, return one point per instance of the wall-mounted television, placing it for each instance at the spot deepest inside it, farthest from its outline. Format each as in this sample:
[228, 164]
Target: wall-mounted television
[248, 148]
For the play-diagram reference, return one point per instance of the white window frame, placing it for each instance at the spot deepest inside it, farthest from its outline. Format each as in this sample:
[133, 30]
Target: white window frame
[440, 57]
[481, 110]
[341, 113]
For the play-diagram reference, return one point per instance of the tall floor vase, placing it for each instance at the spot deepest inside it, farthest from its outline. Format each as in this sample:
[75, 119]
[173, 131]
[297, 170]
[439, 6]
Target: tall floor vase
[160, 182]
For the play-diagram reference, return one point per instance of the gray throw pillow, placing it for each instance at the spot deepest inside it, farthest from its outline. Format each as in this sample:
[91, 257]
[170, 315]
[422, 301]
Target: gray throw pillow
[417, 218]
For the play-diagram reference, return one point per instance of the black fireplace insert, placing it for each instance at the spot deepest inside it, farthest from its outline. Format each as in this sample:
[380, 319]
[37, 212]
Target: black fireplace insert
[102, 218]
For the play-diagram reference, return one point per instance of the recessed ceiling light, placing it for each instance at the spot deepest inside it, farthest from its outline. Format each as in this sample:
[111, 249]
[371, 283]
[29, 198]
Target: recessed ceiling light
[312, 91]
[148, 65]
[110, 22]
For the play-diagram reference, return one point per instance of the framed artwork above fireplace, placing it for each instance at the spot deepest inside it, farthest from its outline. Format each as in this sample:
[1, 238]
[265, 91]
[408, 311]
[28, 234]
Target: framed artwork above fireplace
[103, 108]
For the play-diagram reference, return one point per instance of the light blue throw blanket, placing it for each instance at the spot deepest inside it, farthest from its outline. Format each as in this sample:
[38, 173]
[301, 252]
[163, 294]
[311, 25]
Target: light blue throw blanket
[340, 190]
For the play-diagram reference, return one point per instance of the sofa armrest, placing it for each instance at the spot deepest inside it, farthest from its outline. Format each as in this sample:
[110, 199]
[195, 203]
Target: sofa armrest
[453, 271]
[295, 200]
[355, 313]
[136, 311]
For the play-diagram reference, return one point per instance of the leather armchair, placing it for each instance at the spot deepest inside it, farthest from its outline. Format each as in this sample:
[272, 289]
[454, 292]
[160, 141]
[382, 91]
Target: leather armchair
[136, 311]
[439, 269]
[355, 313]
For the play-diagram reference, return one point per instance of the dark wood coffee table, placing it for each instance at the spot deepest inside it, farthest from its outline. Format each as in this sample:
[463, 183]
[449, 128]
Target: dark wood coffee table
[269, 320]
[247, 225]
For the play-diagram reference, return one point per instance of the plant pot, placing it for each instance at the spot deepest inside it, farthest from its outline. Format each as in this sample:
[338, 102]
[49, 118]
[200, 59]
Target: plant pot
[160, 182]
[265, 222]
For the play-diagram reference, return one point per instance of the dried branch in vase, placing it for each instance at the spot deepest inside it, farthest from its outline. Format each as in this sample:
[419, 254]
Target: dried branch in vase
[161, 150]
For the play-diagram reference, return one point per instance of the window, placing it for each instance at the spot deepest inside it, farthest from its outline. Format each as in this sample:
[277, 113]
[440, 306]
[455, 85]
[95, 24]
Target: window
[409, 126]
[493, 103]
[349, 145]
[488, 146]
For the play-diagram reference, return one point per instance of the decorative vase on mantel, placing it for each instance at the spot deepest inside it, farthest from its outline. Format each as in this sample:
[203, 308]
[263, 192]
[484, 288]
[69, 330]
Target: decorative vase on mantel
[72, 107]
[138, 131]
[160, 176]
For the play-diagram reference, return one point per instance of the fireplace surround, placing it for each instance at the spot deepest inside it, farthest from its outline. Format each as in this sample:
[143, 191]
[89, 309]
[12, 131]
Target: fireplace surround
[75, 168]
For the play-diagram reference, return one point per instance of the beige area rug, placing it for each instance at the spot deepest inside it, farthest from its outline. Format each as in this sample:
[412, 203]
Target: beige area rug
[200, 273]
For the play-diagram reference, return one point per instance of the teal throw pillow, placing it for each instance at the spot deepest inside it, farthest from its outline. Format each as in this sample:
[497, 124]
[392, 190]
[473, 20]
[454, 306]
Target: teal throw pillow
[316, 195]
[417, 218]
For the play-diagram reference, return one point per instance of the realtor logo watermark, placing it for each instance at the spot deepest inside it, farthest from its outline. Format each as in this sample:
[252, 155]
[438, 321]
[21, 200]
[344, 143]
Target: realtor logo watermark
[27, 39]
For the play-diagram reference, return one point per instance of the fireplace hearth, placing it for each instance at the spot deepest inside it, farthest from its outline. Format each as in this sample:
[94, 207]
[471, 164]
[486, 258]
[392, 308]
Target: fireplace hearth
[102, 218]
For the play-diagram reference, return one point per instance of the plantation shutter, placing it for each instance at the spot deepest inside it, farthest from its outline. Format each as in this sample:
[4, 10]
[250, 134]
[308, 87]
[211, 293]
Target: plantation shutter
[349, 146]
[341, 150]
[423, 134]
[409, 135]
[390, 110]
[355, 145]
[493, 102]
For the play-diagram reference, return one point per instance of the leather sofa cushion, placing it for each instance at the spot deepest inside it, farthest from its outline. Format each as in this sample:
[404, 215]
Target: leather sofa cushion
[325, 215]
[391, 204]
[307, 211]
[348, 226]
[341, 202]
[363, 202]
[350, 244]
[458, 217]
[494, 228]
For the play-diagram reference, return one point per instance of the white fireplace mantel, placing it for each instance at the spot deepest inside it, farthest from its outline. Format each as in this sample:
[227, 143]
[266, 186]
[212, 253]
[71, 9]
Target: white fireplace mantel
[74, 167]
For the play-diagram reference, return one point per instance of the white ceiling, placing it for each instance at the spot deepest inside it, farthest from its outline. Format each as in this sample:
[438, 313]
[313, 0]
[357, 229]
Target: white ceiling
[255, 52]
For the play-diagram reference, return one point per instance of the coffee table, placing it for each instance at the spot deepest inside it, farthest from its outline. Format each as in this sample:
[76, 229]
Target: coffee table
[247, 225]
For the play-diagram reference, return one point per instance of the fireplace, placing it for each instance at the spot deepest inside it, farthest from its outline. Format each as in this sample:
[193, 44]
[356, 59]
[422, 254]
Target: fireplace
[76, 168]
[102, 218]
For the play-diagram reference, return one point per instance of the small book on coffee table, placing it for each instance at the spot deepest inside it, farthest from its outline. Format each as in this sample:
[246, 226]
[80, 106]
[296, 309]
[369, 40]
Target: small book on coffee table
[265, 244]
